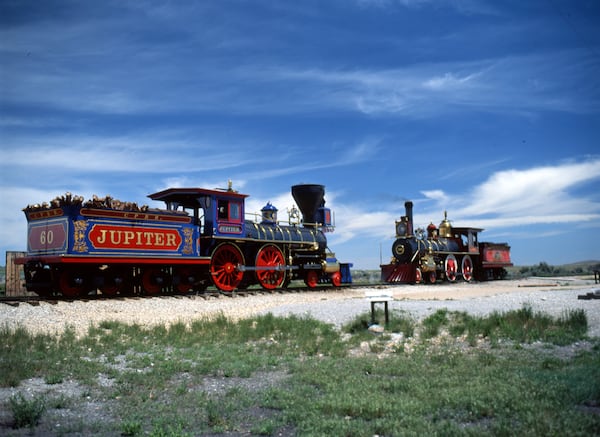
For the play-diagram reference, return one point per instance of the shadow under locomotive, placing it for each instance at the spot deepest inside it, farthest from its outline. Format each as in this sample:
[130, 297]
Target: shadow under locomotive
[201, 238]
[442, 253]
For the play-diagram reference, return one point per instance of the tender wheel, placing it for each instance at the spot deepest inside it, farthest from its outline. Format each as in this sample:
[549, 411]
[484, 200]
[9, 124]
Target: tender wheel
[467, 268]
[311, 279]
[271, 257]
[71, 284]
[183, 280]
[451, 268]
[336, 279]
[153, 280]
[223, 267]
[112, 281]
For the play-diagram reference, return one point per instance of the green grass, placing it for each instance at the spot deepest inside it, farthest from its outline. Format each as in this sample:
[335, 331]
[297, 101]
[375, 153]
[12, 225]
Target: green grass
[295, 375]
[26, 412]
[523, 326]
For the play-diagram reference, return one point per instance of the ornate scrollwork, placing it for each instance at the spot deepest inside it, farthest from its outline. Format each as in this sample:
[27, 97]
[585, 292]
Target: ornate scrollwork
[79, 233]
[188, 247]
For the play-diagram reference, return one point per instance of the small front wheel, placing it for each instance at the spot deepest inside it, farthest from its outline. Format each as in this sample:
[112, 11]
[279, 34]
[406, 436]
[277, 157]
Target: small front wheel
[336, 279]
[311, 279]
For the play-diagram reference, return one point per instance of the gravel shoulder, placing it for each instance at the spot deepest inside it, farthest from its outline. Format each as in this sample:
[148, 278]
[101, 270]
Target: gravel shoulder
[553, 296]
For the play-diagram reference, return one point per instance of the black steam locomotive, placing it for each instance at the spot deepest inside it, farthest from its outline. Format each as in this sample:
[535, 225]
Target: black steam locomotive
[201, 238]
[444, 252]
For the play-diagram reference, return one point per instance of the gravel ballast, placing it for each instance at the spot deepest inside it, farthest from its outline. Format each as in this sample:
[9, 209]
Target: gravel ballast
[552, 296]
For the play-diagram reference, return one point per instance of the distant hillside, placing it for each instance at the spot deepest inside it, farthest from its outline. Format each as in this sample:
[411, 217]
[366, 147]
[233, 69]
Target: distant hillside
[545, 269]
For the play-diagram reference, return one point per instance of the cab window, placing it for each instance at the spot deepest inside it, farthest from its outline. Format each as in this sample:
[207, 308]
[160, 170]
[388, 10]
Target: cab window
[229, 210]
[235, 211]
[223, 209]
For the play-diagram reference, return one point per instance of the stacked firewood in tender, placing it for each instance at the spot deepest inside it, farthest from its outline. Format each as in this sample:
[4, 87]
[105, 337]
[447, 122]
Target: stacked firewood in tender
[66, 200]
[69, 199]
[111, 203]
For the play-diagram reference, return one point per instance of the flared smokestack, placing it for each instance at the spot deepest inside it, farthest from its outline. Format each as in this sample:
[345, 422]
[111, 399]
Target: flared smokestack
[309, 197]
[408, 205]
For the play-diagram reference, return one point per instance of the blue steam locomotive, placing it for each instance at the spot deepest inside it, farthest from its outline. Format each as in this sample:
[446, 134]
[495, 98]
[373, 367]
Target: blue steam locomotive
[200, 238]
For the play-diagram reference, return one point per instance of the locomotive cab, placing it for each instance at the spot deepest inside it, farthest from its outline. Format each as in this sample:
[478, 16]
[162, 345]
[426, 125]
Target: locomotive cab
[217, 212]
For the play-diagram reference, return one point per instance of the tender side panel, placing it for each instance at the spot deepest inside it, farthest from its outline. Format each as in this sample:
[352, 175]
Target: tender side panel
[48, 236]
[108, 237]
[495, 255]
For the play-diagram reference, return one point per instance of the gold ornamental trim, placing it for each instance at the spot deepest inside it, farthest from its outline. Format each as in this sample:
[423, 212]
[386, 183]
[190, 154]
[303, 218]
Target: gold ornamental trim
[79, 233]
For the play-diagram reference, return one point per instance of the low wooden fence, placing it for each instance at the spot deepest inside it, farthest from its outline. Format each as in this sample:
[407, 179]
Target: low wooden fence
[15, 277]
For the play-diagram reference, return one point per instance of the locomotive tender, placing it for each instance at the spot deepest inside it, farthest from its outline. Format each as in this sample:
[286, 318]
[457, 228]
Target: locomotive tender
[201, 238]
[444, 252]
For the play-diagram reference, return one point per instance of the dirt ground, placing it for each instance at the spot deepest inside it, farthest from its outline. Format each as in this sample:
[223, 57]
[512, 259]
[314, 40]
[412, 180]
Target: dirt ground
[553, 294]
[461, 290]
[327, 305]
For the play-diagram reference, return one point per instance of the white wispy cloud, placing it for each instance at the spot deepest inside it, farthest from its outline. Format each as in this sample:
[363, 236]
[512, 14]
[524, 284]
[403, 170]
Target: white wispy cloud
[117, 77]
[510, 199]
[449, 82]
[546, 190]
[134, 154]
[511, 83]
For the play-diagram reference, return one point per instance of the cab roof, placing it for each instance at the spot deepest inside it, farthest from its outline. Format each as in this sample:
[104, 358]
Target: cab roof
[189, 196]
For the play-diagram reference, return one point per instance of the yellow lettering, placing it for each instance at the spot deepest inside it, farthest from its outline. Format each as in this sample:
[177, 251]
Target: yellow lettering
[102, 238]
[171, 240]
[129, 235]
[113, 238]
[160, 239]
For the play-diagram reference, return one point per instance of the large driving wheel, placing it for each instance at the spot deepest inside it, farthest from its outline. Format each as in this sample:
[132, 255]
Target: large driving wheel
[467, 268]
[451, 267]
[72, 283]
[270, 265]
[418, 275]
[224, 267]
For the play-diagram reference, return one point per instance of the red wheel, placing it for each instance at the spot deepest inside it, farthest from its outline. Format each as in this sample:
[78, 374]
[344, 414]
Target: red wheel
[467, 268]
[336, 279]
[311, 279]
[113, 281]
[451, 268]
[71, 284]
[223, 267]
[184, 280]
[418, 276]
[271, 257]
[153, 280]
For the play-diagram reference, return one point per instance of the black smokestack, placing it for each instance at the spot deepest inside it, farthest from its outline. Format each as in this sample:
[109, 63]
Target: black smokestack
[408, 205]
[309, 198]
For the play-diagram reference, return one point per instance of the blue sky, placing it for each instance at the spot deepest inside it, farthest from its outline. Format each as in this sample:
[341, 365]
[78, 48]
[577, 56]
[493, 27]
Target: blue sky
[487, 109]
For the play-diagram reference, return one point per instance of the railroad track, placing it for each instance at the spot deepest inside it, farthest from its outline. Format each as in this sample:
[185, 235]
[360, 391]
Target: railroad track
[208, 294]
